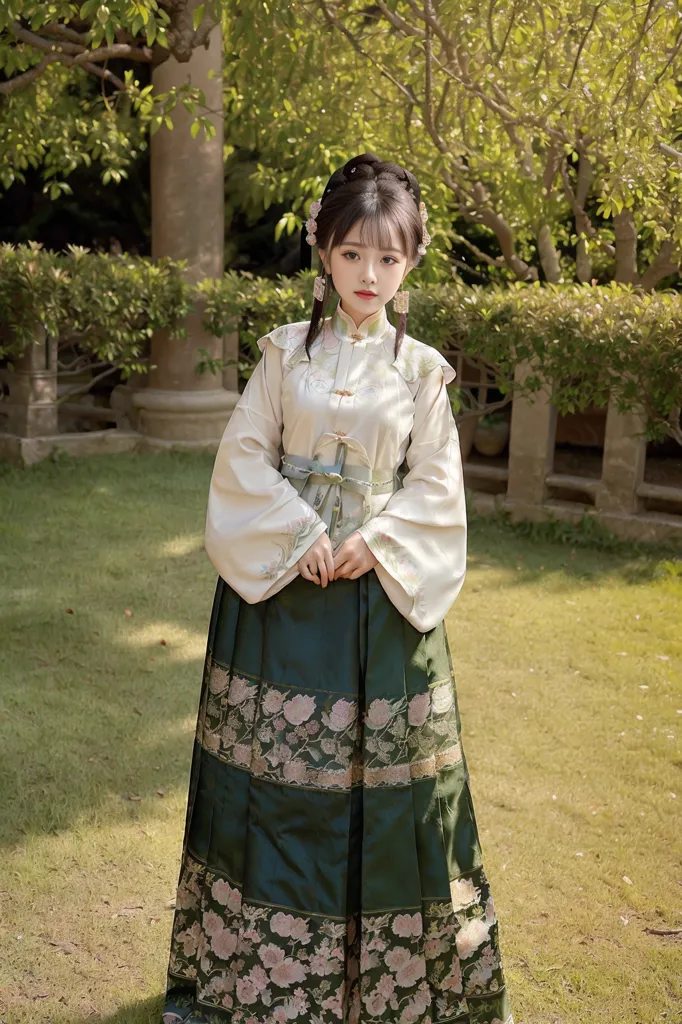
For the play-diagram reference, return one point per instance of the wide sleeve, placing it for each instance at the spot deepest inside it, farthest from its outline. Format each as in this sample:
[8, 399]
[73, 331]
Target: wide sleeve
[257, 525]
[420, 538]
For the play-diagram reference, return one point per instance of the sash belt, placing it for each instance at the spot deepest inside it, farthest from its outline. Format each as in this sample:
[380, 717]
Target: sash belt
[303, 469]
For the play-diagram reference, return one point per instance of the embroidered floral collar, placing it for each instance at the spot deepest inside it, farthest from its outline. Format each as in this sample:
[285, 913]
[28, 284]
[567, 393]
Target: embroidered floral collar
[372, 327]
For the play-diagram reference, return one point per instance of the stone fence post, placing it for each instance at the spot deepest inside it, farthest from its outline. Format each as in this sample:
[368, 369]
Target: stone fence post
[624, 460]
[32, 404]
[531, 443]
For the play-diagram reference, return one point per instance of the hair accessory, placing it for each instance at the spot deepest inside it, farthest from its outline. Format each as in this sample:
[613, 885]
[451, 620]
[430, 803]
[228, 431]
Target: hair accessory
[401, 301]
[319, 288]
[311, 223]
[426, 237]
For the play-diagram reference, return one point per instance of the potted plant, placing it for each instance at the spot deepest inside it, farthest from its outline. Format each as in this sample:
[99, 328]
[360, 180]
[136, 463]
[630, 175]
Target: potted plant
[492, 434]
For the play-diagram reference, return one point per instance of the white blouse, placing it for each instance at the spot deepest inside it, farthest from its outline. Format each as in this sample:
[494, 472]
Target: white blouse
[385, 410]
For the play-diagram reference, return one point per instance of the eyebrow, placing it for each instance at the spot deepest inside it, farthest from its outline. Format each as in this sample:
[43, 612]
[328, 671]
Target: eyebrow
[360, 245]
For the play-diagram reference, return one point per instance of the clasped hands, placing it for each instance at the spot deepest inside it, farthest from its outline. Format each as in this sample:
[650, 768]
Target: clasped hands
[320, 565]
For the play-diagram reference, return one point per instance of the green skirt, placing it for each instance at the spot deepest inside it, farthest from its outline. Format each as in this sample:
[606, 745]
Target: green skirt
[331, 866]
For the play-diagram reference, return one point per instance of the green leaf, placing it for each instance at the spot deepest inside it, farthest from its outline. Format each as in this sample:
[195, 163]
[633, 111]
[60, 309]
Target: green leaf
[198, 15]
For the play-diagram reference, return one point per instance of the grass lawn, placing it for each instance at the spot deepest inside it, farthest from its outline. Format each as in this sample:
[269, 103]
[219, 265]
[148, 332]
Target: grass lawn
[569, 674]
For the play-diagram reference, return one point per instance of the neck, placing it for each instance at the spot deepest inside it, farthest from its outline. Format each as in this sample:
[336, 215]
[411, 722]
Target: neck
[356, 316]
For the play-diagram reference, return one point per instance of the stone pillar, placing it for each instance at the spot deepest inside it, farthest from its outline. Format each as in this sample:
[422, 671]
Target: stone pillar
[32, 405]
[231, 351]
[531, 443]
[180, 406]
[624, 461]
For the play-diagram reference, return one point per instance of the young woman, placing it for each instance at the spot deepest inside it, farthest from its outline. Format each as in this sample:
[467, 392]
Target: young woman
[331, 866]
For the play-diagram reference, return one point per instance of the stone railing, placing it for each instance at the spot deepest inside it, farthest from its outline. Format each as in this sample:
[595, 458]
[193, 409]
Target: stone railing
[528, 486]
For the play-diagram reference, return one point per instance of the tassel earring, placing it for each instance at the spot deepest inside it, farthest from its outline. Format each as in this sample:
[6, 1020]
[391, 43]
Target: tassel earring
[401, 301]
[320, 287]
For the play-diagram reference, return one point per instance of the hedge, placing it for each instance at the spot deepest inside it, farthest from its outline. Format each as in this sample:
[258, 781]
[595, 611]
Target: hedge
[585, 342]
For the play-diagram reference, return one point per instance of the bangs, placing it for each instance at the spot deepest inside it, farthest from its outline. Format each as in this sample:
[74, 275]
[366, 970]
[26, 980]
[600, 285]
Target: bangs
[377, 229]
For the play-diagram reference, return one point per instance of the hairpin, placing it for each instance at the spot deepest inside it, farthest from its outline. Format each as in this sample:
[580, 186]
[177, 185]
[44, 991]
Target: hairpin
[311, 223]
[426, 237]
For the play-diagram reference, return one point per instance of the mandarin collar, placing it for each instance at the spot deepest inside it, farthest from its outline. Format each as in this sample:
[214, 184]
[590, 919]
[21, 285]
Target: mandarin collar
[372, 327]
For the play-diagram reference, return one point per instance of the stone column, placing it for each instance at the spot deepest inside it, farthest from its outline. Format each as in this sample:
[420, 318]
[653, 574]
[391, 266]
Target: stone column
[624, 461]
[32, 405]
[231, 351]
[180, 407]
[531, 443]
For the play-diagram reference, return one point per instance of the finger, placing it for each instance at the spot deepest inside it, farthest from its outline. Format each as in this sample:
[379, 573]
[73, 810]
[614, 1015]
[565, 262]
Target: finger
[347, 569]
[307, 574]
[356, 572]
[322, 569]
[340, 559]
[329, 562]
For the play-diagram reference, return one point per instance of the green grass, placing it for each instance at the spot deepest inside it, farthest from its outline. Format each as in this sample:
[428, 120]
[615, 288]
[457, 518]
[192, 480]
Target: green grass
[559, 643]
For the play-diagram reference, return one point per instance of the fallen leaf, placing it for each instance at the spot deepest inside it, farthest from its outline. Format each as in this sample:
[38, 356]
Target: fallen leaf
[131, 796]
[627, 880]
[160, 792]
[128, 612]
[65, 947]
[170, 905]
[163, 643]
[69, 611]
[663, 657]
[137, 711]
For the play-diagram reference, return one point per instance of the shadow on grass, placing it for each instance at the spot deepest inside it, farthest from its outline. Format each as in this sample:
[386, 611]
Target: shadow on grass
[145, 1011]
[96, 712]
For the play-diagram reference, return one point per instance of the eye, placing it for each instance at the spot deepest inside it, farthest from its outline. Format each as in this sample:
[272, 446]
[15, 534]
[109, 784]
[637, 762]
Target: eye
[350, 253]
[391, 258]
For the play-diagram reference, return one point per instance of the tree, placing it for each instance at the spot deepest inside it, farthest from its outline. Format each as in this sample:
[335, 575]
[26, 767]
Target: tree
[77, 84]
[519, 118]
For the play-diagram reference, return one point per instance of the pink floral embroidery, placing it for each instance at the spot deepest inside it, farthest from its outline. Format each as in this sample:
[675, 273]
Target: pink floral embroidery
[321, 740]
[464, 893]
[268, 965]
[418, 709]
[298, 709]
[470, 937]
[379, 714]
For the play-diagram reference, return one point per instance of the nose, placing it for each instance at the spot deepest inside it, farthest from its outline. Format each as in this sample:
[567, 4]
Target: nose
[369, 273]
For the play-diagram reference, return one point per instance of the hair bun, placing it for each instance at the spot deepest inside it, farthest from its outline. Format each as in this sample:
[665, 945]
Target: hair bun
[370, 167]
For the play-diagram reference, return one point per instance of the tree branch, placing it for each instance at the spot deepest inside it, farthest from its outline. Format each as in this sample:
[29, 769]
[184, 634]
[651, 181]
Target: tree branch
[581, 45]
[665, 262]
[335, 22]
[492, 261]
[398, 22]
[26, 77]
[70, 53]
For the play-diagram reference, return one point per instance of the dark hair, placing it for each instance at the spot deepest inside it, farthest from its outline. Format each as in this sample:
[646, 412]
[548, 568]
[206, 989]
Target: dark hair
[382, 195]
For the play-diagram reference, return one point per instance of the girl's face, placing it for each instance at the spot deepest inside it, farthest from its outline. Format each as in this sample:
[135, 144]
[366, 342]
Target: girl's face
[365, 278]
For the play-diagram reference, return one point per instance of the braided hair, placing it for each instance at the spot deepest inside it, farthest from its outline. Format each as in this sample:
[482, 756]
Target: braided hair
[382, 195]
